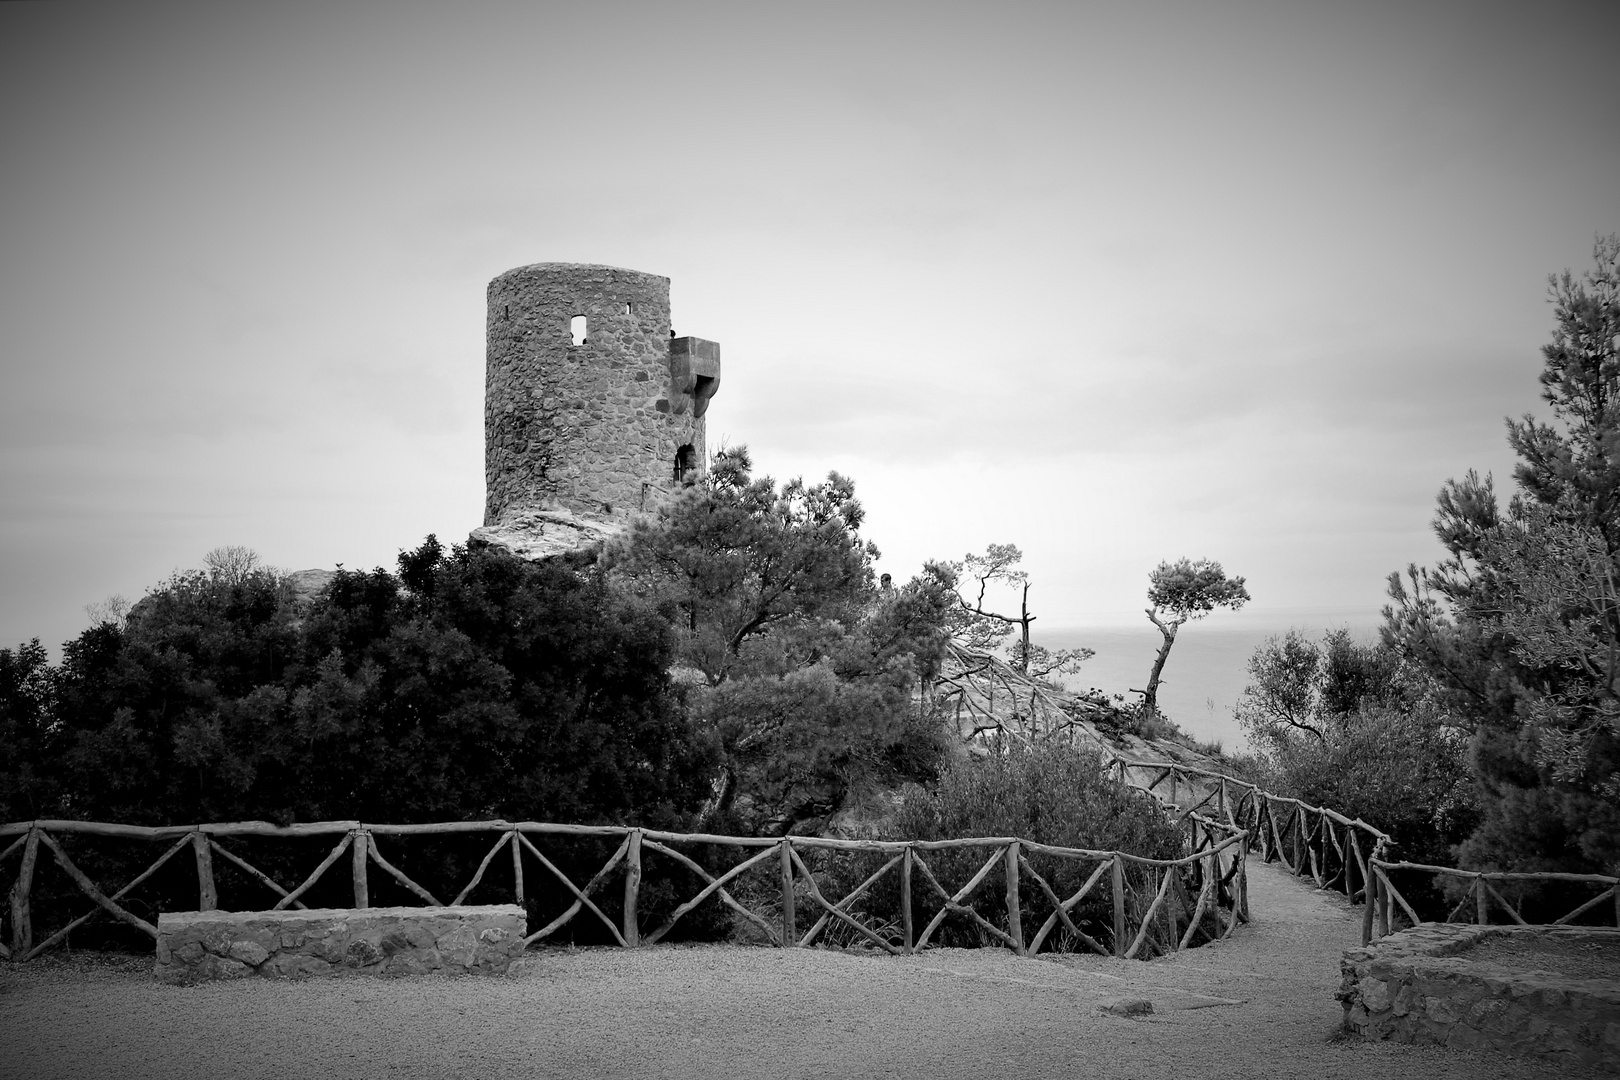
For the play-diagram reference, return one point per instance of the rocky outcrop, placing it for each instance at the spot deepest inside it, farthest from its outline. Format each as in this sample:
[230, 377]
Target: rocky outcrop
[543, 534]
[200, 946]
[307, 584]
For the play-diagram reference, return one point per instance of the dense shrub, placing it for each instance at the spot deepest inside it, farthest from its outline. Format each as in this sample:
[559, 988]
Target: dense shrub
[468, 685]
[1051, 794]
[1350, 726]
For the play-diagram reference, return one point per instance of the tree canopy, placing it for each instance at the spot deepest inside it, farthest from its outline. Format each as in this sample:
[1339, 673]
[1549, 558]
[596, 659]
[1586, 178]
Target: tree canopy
[1352, 726]
[804, 669]
[978, 627]
[1180, 592]
[1519, 623]
[467, 684]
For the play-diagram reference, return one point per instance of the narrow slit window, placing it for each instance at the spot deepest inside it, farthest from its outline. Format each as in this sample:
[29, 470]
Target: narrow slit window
[576, 327]
[630, 309]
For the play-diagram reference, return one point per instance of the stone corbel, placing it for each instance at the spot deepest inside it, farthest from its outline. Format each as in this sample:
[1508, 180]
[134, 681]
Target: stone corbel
[694, 373]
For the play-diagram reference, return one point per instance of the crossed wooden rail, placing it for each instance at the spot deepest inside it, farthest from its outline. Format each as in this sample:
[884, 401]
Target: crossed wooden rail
[1481, 892]
[1338, 852]
[1334, 849]
[1214, 871]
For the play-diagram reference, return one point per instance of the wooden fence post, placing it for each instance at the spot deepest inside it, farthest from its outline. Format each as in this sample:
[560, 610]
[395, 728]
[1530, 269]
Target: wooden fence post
[517, 869]
[632, 889]
[1318, 865]
[1298, 822]
[1482, 910]
[1384, 901]
[790, 933]
[1174, 896]
[207, 897]
[22, 923]
[1120, 944]
[1213, 884]
[1015, 921]
[357, 861]
[1243, 876]
[1369, 898]
[905, 899]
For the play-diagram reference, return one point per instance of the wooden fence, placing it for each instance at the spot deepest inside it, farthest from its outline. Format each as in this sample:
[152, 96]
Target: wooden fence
[1210, 881]
[1342, 853]
[1335, 850]
[1476, 903]
[1152, 905]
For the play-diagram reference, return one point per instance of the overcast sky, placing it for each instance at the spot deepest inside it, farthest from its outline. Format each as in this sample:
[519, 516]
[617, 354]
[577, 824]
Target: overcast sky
[1116, 283]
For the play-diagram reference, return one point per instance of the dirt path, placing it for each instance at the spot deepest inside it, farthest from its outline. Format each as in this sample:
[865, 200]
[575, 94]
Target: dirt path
[1258, 1005]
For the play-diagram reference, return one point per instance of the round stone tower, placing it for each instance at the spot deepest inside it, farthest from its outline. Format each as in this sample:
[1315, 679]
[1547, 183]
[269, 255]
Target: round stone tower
[590, 406]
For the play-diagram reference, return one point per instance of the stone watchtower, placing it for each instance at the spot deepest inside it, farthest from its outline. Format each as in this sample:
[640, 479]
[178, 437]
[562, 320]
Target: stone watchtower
[591, 409]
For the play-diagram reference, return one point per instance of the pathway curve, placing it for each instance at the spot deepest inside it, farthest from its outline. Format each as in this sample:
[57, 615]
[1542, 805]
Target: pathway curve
[1258, 1005]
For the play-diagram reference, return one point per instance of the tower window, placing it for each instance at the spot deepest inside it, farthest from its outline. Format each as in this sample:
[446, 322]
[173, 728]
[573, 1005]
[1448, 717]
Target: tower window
[685, 465]
[576, 327]
[629, 309]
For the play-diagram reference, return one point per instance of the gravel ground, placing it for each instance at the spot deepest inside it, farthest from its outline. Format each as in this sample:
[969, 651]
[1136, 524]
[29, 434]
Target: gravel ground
[1259, 1005]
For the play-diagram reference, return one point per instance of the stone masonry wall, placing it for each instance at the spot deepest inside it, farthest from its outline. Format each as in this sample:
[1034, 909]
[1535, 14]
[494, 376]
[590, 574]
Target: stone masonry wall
[593, 428]
[1418, 986]
[198, 946]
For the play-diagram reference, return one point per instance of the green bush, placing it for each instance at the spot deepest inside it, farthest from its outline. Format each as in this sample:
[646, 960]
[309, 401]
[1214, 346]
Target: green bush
[1350, 727]
[1051, 794]
[468, 685]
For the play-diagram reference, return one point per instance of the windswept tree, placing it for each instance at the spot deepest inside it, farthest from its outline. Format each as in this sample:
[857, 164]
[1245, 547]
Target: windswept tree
[981, 628]
[1181, 592]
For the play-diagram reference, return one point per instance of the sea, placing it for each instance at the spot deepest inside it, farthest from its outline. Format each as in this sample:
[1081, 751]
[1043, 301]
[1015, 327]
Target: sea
[1208, 666]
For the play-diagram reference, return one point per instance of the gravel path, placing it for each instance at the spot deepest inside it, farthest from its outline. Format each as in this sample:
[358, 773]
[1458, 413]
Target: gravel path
[1259, 1005]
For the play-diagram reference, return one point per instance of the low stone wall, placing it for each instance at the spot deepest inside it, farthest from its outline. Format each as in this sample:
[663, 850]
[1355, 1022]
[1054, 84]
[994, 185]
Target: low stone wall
[197, 946]
[1419, 986]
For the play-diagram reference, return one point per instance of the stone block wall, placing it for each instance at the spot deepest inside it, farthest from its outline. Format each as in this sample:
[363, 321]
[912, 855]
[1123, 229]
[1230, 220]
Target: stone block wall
[594, 427]
[198, 946]
[1419, 986]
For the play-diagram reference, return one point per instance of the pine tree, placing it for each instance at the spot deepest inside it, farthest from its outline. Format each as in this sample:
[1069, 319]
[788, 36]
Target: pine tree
[1520, 623]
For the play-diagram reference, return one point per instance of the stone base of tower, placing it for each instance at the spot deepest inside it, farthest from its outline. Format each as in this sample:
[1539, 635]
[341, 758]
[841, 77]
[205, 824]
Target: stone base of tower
[544, 534]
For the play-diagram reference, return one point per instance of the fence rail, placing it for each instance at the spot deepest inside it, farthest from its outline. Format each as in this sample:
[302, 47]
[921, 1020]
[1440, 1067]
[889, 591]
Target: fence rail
[1339, 852]
[1152, 905]
[1476, 903]
[1209, 881]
